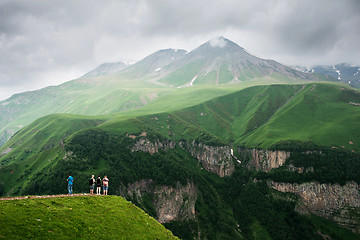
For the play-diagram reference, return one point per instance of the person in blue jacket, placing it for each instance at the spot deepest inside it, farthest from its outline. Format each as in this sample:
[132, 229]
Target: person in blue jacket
[70, 184]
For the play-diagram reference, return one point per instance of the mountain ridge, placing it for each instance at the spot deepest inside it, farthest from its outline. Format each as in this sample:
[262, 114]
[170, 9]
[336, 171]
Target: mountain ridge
[185, 154]
[105, 90]
[346, 73]
[105, 68]
[223, 62]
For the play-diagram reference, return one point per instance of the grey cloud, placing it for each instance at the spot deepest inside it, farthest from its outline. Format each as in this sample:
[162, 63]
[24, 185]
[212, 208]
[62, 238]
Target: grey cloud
[309, 27]
[41, 37]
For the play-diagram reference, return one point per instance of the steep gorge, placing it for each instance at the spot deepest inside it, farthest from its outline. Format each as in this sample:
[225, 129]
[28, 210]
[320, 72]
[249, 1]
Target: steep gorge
[332, 201]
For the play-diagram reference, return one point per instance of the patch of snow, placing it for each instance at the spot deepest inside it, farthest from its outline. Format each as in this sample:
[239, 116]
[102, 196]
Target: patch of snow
[176, 50]
[339, 73]
[158, 69]
[189, 84]
[172, 58]
[357, 72]
[130, 62]
[193, 80]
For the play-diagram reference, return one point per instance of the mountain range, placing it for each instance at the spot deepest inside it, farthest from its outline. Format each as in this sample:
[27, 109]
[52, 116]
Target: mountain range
[342, 72]
[115, 87]
[213, 143]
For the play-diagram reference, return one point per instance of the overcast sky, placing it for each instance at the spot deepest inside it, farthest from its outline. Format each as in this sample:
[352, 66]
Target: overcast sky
[46, 42]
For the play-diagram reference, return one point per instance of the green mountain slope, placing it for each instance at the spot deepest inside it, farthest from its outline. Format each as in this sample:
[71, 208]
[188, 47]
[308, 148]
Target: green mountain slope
[91, 217]
[37, 145]
[234, 207]
[253, 117]
[83, 96]
[137, 85]
[263, 116]
[324, 114]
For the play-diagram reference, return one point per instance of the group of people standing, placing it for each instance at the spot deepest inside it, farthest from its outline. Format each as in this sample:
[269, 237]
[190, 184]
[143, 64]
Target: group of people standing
[99, 182]
[92, 182]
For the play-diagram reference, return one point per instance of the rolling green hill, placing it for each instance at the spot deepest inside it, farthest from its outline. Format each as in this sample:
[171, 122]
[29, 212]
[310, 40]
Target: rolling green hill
[80, 217]
[37, 159]
[155, 77]
[324, 114]
[82, 96]
[261, 116]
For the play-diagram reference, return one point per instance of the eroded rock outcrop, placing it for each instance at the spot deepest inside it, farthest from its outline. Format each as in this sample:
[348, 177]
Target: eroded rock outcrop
[263, 159]
[170, 203]
[215, 159]
[332, 201]
[145, 145]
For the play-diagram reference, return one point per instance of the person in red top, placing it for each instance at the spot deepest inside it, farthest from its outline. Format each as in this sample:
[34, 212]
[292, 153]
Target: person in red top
[105, 181]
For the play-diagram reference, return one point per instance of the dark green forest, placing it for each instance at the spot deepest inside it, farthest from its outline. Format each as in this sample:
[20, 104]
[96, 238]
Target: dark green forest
[321, 164]
[233, 207]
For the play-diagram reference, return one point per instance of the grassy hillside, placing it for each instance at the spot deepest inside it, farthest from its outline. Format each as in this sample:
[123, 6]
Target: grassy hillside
[145, 81]
[102, 95]
[223, 206]
[320, 113]
[261, 117]
[37, 146]
[87, 217]
[37, 159]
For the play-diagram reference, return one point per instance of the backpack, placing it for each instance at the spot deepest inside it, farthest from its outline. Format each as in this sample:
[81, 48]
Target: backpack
[98, 181]
[91, 181]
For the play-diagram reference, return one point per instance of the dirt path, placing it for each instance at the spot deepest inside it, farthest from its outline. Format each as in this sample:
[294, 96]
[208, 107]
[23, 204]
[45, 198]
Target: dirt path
[47, 196]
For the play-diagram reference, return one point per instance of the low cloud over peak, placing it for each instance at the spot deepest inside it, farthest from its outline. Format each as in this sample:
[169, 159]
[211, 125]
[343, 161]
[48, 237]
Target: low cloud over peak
[218, 42]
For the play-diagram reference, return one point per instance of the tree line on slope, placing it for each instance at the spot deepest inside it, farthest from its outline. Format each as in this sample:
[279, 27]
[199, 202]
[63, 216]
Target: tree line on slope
[319, 163]
[226, 208]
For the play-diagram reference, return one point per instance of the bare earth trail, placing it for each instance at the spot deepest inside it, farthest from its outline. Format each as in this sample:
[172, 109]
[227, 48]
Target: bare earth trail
[47, 196]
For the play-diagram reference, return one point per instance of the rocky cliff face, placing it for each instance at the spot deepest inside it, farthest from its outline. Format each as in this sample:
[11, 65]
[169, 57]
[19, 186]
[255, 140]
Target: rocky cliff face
[263, 159]
[332, 201]
[215, 159]
[170, 203]
[145, 145]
